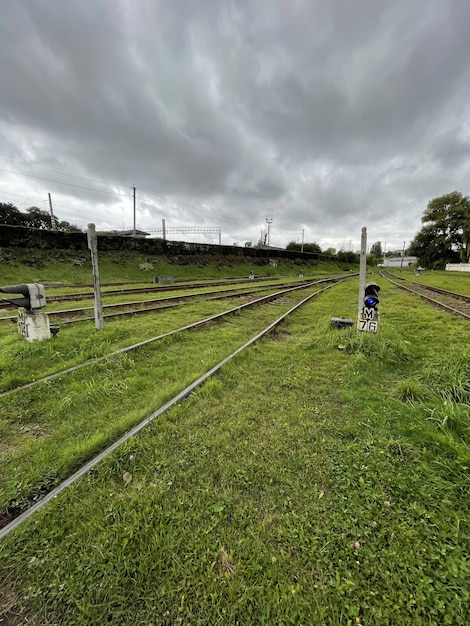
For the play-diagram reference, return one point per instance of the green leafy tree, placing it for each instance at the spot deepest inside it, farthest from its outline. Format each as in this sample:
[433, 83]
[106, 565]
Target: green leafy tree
[376, 250]
[330, 251]
[37, 218]
[9, 214]
[445, 236]
[347, 256]
[33, 218]
[67, 227]
[307, 247]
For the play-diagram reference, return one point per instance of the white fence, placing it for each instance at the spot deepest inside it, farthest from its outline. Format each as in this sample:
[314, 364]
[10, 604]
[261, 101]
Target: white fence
[458, 267]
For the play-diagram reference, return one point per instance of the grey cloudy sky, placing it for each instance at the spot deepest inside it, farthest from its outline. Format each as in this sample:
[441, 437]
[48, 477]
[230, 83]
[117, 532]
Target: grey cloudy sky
[324, 115]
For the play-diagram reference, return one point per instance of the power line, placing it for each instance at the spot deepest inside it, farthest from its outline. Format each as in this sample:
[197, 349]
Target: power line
[190, 206]
[9, 193]
[151, 193]
[145, 191]
[65, 173]
[58, 182]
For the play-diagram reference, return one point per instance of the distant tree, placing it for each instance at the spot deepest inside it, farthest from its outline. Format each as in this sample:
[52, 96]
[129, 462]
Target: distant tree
[37, 218]
[33, 218]
[445, 236]
[9, 214]
[376, 250]
[432, 249]
[348, 256]
[67, 227]
[330, 251]
[307, 247]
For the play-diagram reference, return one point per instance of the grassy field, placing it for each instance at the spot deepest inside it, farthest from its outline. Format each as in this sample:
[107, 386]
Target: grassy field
[47, 430]
[22, 265]
[453, 281]
[320, 478]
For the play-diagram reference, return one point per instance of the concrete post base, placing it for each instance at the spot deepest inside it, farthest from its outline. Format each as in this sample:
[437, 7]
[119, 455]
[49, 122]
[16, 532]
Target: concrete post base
[34, 326]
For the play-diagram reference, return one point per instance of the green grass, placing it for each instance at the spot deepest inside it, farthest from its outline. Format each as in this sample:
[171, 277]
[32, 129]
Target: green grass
[47, 430]
[22, 362]
[69, 266]
[245, 503]
[453, 281]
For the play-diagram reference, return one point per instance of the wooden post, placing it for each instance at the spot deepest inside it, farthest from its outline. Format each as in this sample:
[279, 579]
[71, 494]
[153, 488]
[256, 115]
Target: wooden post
[362, 270]
[93, 246]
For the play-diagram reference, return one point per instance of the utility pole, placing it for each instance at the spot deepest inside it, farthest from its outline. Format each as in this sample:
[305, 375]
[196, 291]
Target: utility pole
[53, 224]
[385, 247]
[269, 221]
[93, 247]
[302, 246]
[362, 269]
[402, 255]
[163, 230]
[133, 234]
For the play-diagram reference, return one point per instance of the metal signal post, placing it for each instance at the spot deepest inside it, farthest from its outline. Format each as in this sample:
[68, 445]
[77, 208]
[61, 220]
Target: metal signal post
[369, 316]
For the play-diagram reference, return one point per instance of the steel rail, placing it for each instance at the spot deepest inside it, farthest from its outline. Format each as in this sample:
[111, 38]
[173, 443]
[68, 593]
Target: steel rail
[86, 295]
[148, 420]
[453, 294]
[140, 344]
[145, 305]
[417, 292]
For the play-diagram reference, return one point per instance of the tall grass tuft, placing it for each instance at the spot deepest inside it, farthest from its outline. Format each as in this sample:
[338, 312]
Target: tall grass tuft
[410, 391]
[449, 377]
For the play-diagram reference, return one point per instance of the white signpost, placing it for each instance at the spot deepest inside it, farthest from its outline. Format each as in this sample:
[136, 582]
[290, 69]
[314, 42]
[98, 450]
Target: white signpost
[369, 320]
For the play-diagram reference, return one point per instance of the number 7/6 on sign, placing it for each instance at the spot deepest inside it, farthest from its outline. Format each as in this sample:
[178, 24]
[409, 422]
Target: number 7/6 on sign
[371, 326]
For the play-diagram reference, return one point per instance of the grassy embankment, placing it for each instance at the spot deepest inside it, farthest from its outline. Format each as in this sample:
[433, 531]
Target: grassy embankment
[321, 478]
[22, 265]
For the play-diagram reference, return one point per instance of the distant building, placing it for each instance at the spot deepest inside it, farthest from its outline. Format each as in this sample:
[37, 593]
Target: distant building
[458, 267]
[262, 246]
[398, 261]
[130, 233]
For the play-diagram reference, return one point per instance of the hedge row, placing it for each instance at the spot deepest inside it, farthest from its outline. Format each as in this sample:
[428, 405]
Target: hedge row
[22, 237]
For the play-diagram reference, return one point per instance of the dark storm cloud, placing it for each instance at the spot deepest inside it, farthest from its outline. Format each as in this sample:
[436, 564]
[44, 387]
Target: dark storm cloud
[324, 115]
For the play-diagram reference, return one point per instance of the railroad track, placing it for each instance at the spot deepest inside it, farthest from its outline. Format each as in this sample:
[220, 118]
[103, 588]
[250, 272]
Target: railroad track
[81, 314]
[452, 302]
[86, 295]
[10, 518]
[280, 297]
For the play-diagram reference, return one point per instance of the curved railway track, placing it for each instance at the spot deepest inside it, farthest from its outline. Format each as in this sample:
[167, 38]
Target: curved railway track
[11, 520]
[452, 302]
[82, 314]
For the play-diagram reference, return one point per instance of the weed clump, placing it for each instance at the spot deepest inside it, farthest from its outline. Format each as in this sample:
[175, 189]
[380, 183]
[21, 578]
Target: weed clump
[410, 391]
[387, 347]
